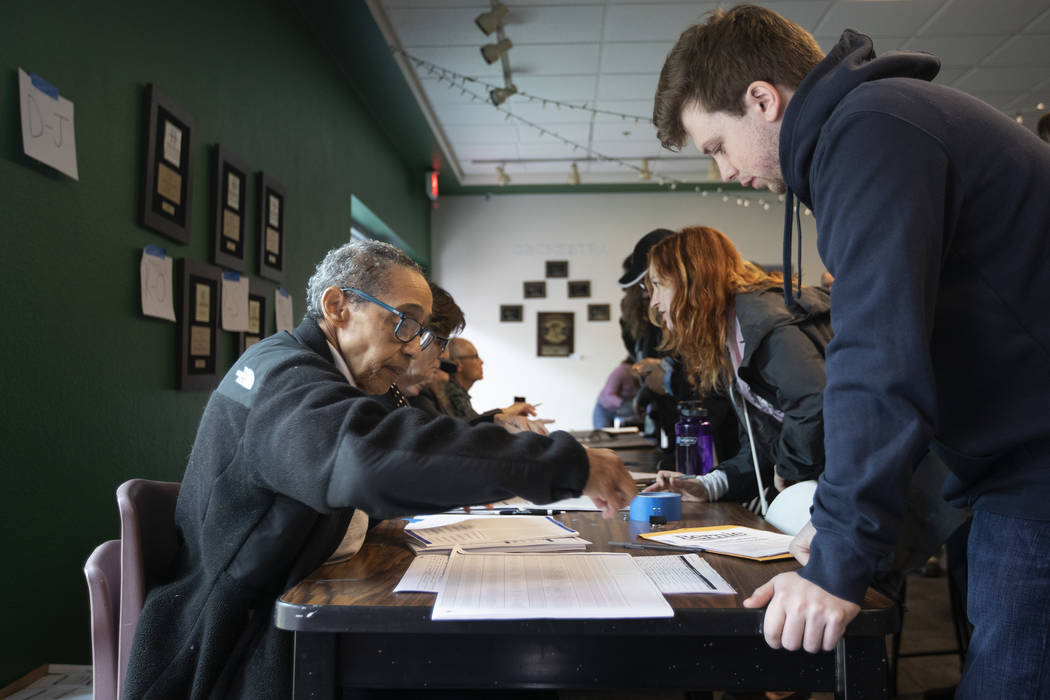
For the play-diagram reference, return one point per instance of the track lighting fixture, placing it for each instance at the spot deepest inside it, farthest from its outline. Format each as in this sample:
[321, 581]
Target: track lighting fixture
[489, 22]
[501, 177]
[645, 173]
[574, 175]
[500, 95]
[492, 52]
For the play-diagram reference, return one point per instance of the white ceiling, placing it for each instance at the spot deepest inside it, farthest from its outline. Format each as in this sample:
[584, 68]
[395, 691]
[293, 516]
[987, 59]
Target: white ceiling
[607, 54]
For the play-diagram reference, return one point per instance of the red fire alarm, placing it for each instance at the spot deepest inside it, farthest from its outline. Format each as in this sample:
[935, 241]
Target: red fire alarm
[432, 185]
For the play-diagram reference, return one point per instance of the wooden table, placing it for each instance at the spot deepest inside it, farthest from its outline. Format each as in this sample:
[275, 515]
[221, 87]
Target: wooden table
[351, 631]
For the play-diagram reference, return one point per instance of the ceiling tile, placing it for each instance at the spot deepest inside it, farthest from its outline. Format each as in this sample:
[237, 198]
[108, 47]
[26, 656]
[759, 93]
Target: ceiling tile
[965, 17]
[956, 50]
[652, 22]
[552, 24]
[627, 87]
[568, 88]
[1022, 50]
[889, 18]
[483, 134]
[1001, 79]
[623, 57]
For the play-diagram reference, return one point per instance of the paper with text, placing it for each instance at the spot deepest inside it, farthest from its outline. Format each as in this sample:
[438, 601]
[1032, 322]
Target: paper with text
[155, 282]
[546, 586]
[47, 124]
[235, 289]
[734, 540]
[282, 310]
[683, 573]
[424, 574]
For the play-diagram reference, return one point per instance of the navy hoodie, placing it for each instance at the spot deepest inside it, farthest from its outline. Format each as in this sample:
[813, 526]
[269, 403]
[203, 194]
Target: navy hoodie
[933, 214]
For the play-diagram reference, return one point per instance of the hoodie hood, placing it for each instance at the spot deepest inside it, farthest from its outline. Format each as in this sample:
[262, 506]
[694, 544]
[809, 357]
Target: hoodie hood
[848, 65]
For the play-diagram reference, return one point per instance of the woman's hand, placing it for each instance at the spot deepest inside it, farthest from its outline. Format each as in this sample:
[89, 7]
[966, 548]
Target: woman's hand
[691, 489]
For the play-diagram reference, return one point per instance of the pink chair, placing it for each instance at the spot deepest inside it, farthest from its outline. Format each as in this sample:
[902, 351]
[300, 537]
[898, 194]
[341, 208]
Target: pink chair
[102, 570]
[148, 543]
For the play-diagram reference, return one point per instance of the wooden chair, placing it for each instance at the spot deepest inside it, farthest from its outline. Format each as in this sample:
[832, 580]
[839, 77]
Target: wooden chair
[102, 570]
[148, 543]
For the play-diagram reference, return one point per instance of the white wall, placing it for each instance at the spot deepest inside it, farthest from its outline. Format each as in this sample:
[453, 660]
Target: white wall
[483, 248]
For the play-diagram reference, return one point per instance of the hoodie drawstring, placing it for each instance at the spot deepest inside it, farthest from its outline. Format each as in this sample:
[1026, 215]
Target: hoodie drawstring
[791, 204]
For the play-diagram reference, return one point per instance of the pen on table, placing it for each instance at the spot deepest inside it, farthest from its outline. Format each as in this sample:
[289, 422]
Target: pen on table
[531, 511]
[697, 572]
[665, 547]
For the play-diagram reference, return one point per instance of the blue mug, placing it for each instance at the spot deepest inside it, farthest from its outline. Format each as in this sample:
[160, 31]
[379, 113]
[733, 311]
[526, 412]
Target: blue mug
[664, 503]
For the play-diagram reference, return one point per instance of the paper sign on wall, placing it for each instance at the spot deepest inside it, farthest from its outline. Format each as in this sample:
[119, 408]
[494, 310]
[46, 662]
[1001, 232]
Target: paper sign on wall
[47, 124]
[235, 316]
[156, 281]
[282, 309]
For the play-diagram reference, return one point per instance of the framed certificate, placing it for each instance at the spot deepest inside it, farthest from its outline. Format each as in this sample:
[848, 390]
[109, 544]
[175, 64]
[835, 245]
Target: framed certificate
[511, 313]
[598, 312]
[557, 268]
[580, 288]
[167, 169]
[271, 229]
[229, 210]
[198, 315]
[554, 333]
[535, 290]
[259, 313]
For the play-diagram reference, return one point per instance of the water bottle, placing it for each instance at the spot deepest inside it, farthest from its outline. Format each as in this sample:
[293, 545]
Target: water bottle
[694, 444]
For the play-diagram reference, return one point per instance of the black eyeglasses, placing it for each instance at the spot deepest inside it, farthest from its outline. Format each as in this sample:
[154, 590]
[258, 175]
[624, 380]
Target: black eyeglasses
[407, 328]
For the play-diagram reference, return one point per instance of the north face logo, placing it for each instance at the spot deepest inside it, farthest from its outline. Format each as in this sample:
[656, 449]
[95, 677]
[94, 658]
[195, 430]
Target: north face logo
[246, 378]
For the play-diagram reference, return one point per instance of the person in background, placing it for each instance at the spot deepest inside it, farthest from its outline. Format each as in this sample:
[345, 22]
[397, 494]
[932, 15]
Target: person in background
[725, 318]
[616, 399]
[469, 370]
[291, 446]
[941, 326]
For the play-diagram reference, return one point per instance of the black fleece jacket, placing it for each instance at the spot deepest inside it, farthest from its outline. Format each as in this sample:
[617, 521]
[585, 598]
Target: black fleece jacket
[285, 452]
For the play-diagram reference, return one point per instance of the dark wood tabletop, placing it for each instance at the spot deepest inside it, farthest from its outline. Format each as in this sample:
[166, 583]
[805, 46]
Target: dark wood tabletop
[351, 630]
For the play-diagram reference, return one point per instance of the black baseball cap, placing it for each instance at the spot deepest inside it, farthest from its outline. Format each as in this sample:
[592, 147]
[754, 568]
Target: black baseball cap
[639, 260]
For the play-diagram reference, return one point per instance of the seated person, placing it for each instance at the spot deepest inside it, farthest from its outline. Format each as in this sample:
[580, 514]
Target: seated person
[616, 399]
[726, 320]
[468, 371]
[290, 444]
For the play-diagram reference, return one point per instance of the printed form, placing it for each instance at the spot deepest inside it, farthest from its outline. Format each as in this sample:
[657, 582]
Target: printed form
[551, 586]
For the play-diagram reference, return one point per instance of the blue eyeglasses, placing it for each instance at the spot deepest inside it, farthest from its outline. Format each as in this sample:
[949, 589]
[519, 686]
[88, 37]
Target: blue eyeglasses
[407, 328]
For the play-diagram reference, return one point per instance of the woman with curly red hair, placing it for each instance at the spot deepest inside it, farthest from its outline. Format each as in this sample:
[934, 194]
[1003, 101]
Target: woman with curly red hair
[726, 319]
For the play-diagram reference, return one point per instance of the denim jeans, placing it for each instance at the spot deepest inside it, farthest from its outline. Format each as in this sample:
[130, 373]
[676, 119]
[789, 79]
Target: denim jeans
[1008, 603]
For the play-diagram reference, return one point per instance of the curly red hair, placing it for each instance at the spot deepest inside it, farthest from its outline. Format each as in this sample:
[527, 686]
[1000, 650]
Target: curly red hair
[707, 273]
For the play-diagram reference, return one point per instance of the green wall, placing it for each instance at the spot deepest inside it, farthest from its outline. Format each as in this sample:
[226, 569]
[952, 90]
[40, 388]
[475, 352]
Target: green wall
[87, 386]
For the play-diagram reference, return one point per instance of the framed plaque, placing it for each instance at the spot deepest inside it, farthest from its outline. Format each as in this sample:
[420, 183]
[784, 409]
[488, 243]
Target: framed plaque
[229, 210]
[201, 285]
[535, 290]
[580, 288]
[271, 229]
[598, 312]
[554, 333]
[557, 268]
[511, 313]
[259, 313]
[167, 168]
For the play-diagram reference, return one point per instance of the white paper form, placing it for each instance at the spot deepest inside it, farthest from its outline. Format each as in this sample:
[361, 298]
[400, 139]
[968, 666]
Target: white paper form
[546, 586]
[48, 133]
[424, 574]
[282, 310]
[155, 282]
[235, 289]
[482, 530]
[683, 573]
[728, 539]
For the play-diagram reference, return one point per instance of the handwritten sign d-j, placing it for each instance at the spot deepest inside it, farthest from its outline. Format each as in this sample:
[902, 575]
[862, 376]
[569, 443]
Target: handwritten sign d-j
[47, 124]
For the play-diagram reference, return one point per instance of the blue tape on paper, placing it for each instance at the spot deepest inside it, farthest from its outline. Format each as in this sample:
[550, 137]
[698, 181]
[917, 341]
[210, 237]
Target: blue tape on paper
[231, 275]
[664, 503]
[44, 86]
[283, 293]
[156, 251]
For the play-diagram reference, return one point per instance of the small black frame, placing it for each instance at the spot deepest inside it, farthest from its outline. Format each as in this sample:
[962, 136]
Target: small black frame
[167, 167]
[229, 209]
[200, 304]
[272, 218]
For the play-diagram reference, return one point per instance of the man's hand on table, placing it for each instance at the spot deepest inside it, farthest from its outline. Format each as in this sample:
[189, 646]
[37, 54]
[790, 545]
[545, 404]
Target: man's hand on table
[519, 408]
[609, 484]
[521, 424]
[801, 614]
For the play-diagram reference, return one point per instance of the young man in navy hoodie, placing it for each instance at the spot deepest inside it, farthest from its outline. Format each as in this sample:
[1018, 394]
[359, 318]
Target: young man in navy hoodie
[932, 215]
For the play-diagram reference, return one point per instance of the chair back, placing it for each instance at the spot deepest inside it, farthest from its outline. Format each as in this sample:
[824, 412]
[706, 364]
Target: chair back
[148, 542]
[102, 570]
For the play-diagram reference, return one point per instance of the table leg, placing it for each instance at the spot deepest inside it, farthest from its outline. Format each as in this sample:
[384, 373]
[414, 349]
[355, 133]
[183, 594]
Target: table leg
[313, 675]
[860, 668]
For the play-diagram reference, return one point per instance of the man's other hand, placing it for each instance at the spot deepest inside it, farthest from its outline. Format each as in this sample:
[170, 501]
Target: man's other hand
[609, 484]
[801, 614]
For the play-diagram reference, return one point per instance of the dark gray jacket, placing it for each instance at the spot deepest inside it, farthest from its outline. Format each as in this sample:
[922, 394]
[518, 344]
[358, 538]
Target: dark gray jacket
[783, 362]
[285, 452]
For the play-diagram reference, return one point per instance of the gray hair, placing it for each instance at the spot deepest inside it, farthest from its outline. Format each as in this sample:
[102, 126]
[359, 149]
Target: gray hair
[362, 264]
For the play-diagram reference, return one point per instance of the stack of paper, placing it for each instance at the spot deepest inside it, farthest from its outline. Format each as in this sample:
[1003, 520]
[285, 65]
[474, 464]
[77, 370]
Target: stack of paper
[734, 540]
[560, 586]
[435, 534]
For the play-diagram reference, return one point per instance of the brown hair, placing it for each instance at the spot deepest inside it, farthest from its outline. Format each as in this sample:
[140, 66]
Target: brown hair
[446, 317]
[707, 273]
[713, 63]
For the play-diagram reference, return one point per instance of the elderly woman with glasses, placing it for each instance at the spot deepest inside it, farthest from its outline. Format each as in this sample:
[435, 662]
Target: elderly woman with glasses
[291, 448]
